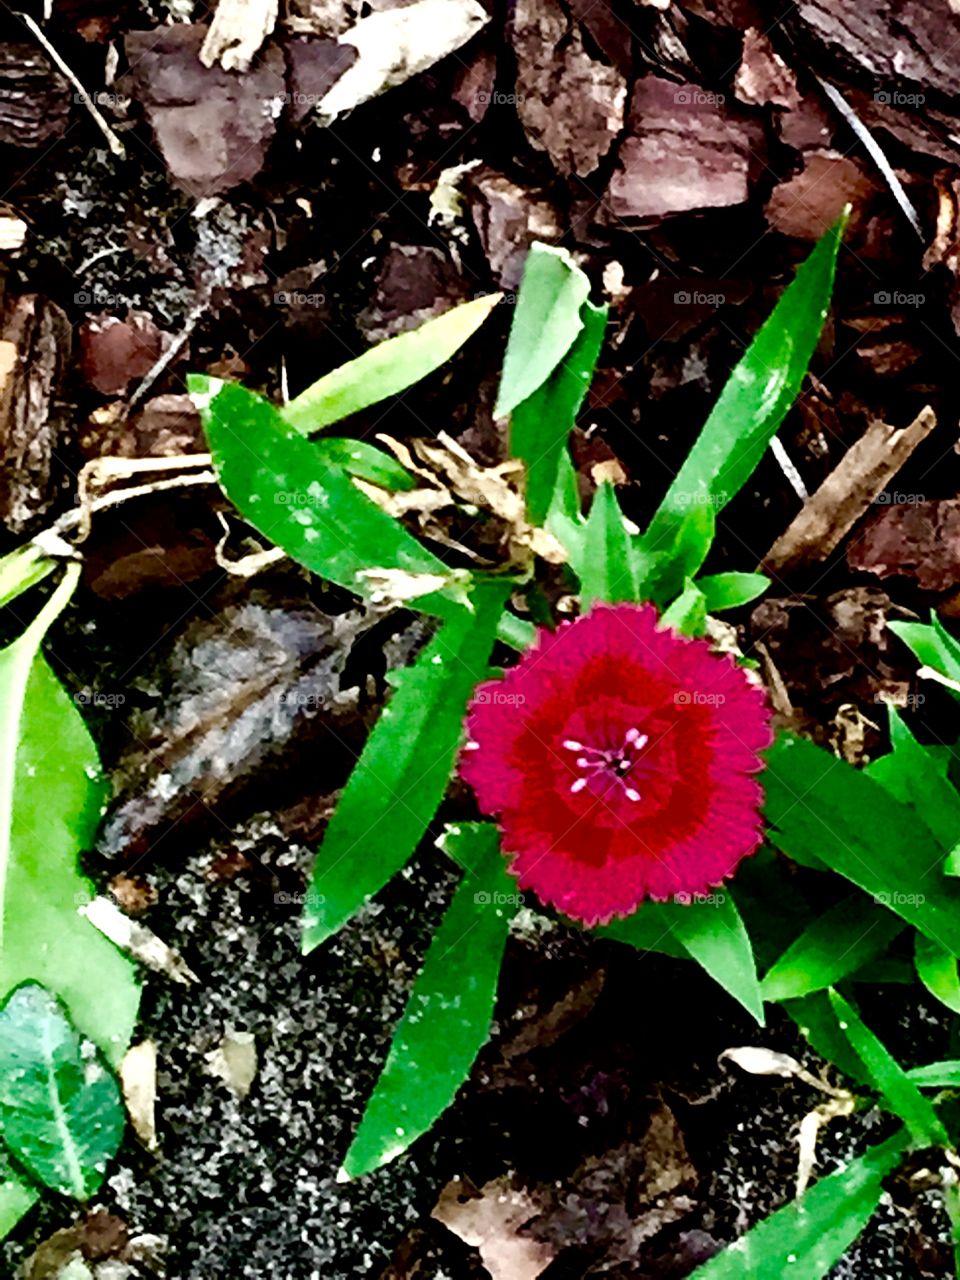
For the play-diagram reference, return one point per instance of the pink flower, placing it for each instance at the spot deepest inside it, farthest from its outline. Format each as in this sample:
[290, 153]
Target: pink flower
[619, 759]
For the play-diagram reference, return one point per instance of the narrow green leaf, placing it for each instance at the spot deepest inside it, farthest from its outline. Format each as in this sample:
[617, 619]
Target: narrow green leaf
[447, 1018]
[804, 1239]
[708, 931]
[820, 807]
[890, 1080]
[836, 944]
[22, 569]
[714, 934]
[817, 1022]
[401, 776]
[540, 426]
[546, 322]
[731, 590]
[515, 632]
[604, 564]
[282, 485]
[60, 1111]
[757, 396]
[688, 613]
[387, 369]
[364, 462]
[663, 570]
[937, 970]
[937, 1075]
[934, 646]
[918, 777]
[648, 929]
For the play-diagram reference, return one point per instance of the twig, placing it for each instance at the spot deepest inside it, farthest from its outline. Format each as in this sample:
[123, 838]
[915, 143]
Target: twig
[113, 142]
[862, 473]
[174, 349]
[876, 154]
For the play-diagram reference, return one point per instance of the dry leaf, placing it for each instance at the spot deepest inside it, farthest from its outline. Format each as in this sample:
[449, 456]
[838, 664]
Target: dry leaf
[396, 44]
[488, 1221]
[138, 1076]
[234, 1061]
[136, 940]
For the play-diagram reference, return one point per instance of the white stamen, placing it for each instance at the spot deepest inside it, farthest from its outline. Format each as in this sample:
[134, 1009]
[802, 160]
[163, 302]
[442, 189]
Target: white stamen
[631, 794]
[578, 785]
[572, 745]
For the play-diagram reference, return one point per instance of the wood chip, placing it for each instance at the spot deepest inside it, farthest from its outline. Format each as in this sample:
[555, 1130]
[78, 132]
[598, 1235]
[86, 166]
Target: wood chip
[686, 151]
[34, 352]
[570, 104]
[863, 472]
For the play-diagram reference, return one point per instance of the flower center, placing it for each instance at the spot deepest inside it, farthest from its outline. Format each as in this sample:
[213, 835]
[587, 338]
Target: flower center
[608, 765]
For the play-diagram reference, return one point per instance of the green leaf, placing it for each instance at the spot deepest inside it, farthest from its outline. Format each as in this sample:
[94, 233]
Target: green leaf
[540, 426]
[934, 646]
[817, 1022]
[890, 1080]
[757, 396]
[364, 462]
[731, 590]
[937, 1075]
[708, 931]
[663, 570]
[688, 613]
[402, 774]
[648, 929]
[804, 1239]
[50, 797]
[546, 322]
[17, 1197]
[836, 944]
[447, 1018]
[917, 776]
[386, 369]
[60, 1111]
[937, 970]
[714, 934]
[819, 807]
[604, 564]
[22, 569]
[280, 483]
